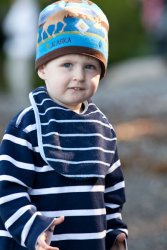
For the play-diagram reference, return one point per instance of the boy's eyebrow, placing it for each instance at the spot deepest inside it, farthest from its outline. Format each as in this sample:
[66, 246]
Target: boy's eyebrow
[66, 58]
[63, 60]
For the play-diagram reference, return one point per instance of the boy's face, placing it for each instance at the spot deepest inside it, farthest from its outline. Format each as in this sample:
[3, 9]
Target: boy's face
[71, 79]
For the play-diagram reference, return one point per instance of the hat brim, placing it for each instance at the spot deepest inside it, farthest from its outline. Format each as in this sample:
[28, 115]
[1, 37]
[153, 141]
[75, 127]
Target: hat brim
[73, 50]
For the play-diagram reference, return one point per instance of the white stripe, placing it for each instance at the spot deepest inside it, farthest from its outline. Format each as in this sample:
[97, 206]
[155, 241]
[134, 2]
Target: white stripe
[52, 108]
[66, 109]
[40, 91]
[93, 112]
[17, 140]
[18, 164]
[27, 228]
[77, 162]
[124, 230]
[114, 167]
[18, 214]
[78, 149]
[80, 135]
[84, 212]
[11, 179]
[115, 187]
[42, 169]
[83, 236]
[85, 176]
[68, 189]
[120, 229]
[11, 197]
[22, 114]
[30, 128]
[20, 141]
[92, 104]
[110, 230]
[113, 206]
[46, 168]
[38, 123]
[114, 216]
[4, 233]
[76, 121]
[44, 100]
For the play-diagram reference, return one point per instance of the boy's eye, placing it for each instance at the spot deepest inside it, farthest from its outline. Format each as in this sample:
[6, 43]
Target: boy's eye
[67, 65]
[90, 66]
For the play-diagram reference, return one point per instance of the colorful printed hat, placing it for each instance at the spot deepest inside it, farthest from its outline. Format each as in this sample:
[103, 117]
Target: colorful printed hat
[70, 27]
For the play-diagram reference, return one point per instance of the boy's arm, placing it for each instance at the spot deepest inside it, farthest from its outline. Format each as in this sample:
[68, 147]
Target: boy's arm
[114, 200]
[17, 175]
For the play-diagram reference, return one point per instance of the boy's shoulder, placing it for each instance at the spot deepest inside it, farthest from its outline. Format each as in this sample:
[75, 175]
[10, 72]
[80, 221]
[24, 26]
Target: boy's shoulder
[23, 119]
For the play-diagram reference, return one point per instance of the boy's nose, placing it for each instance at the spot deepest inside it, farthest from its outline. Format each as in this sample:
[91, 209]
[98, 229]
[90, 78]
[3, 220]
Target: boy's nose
[79, 74]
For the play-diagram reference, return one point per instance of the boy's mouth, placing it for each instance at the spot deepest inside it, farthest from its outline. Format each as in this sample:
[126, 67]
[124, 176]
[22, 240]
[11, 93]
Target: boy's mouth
[77, 88]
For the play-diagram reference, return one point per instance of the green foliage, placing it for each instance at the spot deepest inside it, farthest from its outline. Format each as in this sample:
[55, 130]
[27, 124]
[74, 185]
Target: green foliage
[126, 36]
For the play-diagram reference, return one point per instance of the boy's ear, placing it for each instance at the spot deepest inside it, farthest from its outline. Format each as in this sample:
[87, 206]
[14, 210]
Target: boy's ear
[41, 72]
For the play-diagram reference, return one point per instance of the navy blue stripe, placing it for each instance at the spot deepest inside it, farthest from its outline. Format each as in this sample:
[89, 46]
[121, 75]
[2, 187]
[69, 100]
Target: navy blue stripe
[93, 201]
[81, 141]
[80, 245]
[52, 179]
[117, 197]
[86, 224]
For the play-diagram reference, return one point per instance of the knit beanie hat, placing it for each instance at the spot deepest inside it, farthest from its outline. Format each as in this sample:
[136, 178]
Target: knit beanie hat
[72, 27]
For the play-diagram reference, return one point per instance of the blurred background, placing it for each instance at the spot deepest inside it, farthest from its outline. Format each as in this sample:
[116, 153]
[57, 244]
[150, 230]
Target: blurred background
[133, 95]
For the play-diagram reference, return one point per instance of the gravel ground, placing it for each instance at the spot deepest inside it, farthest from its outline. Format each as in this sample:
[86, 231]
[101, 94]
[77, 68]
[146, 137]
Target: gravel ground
[134, 96]
[145, 210]
[135, 99]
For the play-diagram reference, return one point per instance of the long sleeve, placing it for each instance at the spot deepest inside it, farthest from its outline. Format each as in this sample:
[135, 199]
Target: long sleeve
[17, 174]
[114, 200]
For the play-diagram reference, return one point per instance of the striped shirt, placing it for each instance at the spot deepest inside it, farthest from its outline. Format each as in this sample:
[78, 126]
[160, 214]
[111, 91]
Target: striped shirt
[55, 162]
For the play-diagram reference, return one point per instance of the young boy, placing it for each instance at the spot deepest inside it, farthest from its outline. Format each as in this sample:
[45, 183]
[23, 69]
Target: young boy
[61, 184]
